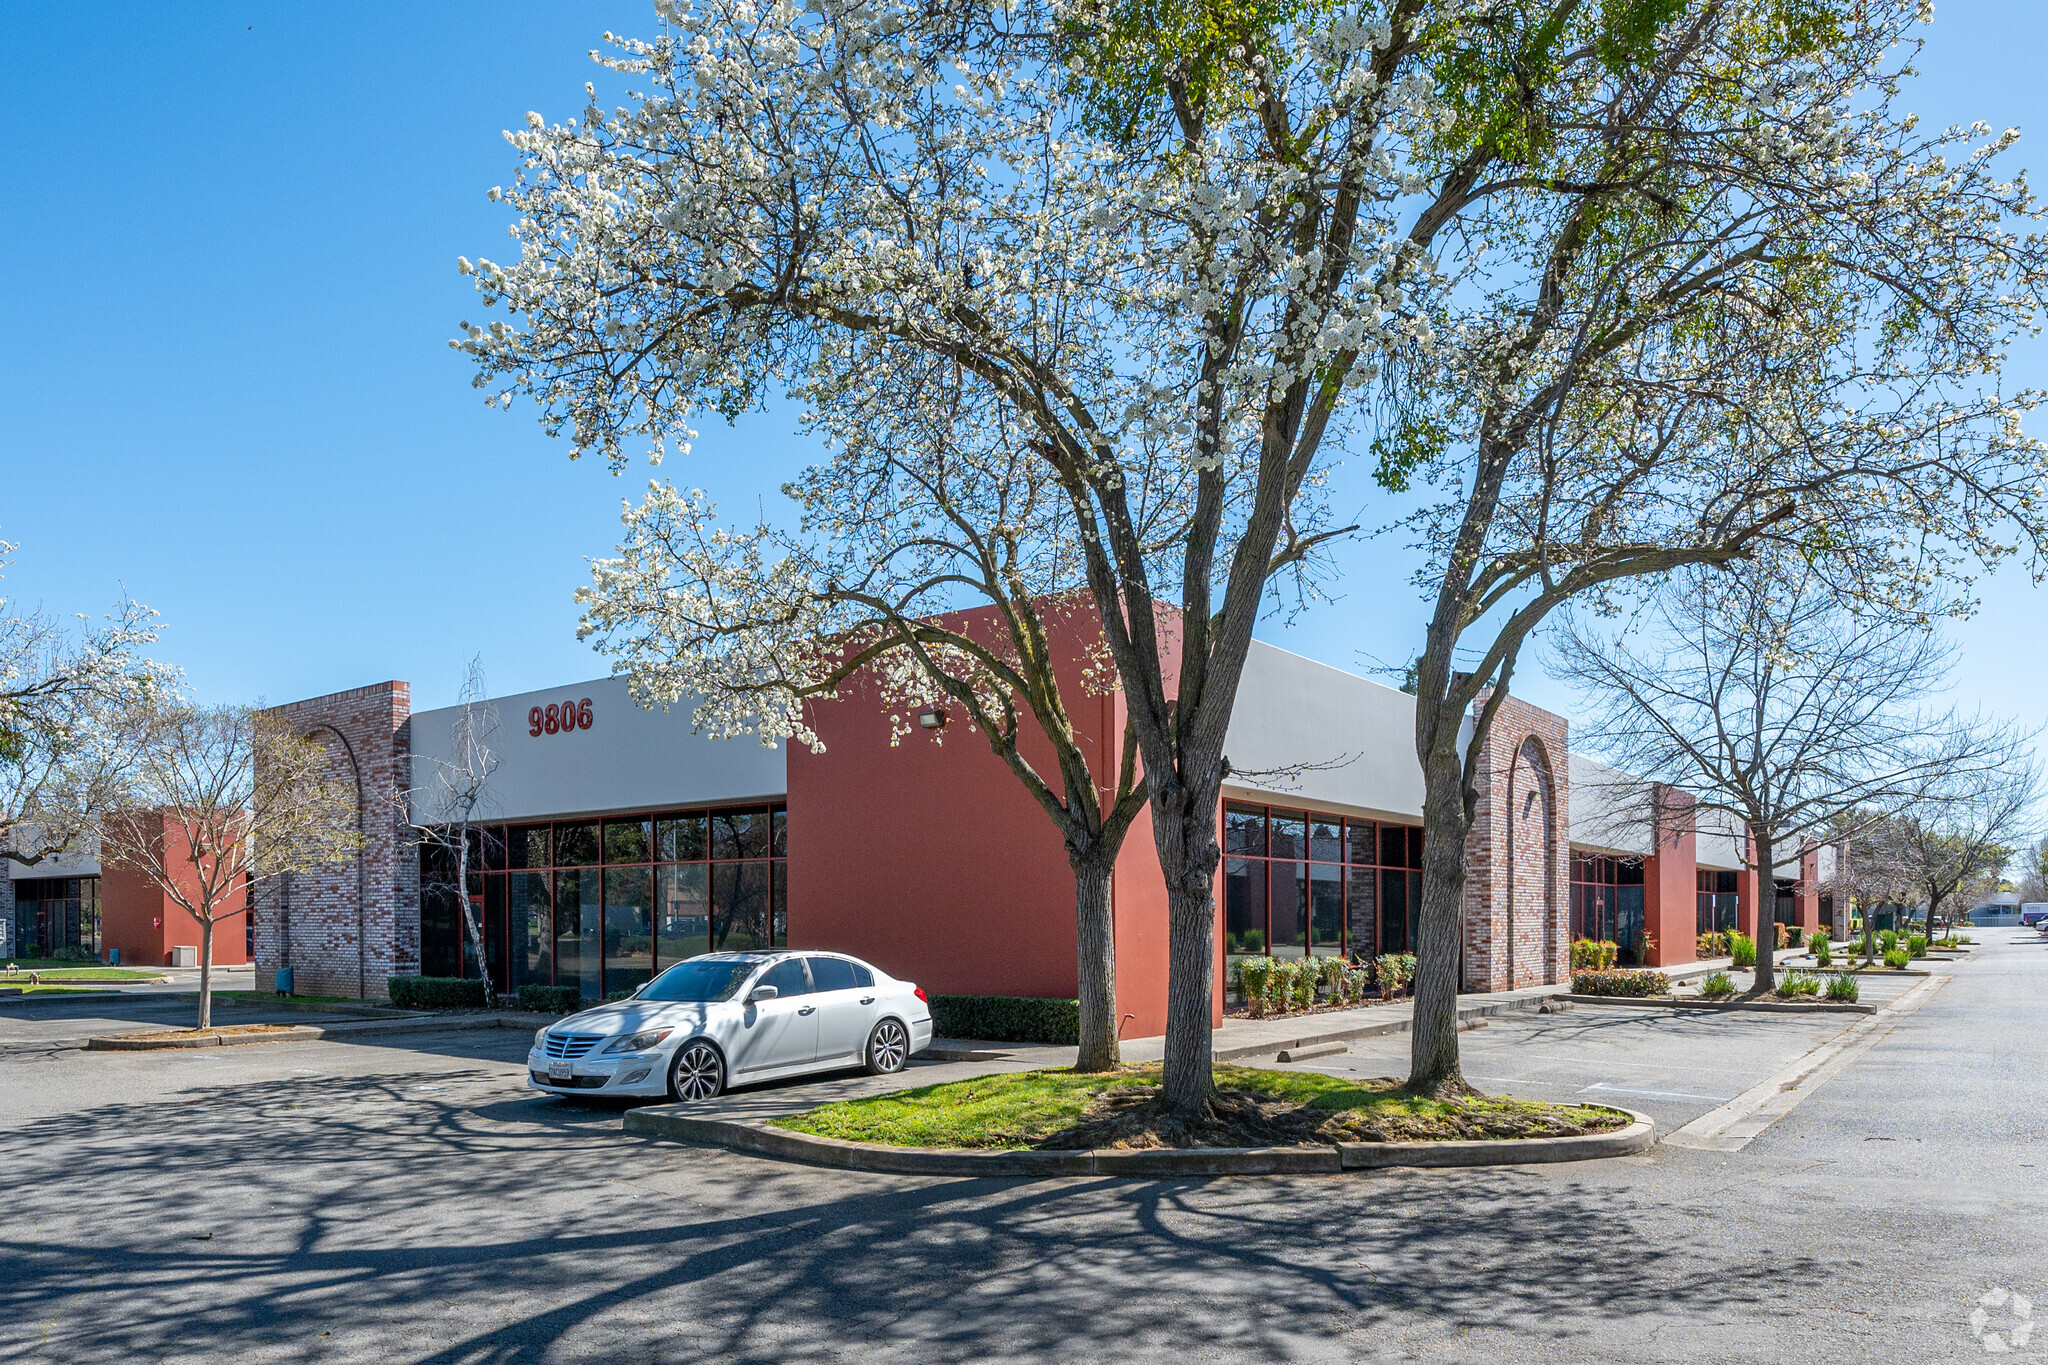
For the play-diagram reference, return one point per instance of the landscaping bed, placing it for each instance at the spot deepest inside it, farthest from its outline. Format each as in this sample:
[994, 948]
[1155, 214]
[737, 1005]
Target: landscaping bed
[1060, 1110]
[227, 1035]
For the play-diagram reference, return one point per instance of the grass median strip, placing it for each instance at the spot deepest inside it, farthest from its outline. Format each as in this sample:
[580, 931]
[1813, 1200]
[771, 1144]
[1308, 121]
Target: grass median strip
[1065, 1110]
[61, 975]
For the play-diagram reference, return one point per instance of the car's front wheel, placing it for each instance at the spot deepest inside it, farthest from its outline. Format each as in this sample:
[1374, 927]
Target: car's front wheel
[888, 1048]
[698, 1072]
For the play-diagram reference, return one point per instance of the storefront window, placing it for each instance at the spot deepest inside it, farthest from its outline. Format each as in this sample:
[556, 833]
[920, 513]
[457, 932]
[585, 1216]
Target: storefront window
[739, 897]
[1297, 882]
[576, 845]
[1607, 901]
[682, 922]
[627, 841]
[57, 917]
[622, 899]
[1718, 900]
[628, 927]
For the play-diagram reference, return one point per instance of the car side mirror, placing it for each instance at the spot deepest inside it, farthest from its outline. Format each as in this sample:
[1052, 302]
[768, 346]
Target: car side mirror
[761, 993]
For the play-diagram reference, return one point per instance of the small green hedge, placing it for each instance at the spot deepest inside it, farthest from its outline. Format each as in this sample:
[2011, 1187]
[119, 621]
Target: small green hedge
[1630, 983]
[1006, 1018]
[439, 992]
[535, 998]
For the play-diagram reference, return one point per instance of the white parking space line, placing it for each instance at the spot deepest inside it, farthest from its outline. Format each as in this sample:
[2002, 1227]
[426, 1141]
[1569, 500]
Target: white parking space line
[1604, 1088]
[1730, 1127]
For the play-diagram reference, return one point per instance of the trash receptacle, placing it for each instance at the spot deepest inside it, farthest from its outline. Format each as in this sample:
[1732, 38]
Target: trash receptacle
[113, 957]
[184, 955]
[284, 981]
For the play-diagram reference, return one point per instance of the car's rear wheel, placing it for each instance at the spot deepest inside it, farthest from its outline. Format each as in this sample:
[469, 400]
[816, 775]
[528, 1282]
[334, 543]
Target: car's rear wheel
[888, 1048]
[697, 1073]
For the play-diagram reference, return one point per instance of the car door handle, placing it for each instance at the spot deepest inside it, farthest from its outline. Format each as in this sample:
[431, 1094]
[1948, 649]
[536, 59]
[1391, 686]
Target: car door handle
[807, 1009]
[867, 1000]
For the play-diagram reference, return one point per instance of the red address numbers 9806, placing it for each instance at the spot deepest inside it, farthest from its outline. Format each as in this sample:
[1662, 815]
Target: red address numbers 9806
[559, 718]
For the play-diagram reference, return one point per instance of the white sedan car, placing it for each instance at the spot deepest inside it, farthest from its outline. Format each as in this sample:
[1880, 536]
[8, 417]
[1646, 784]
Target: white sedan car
[732, 1019]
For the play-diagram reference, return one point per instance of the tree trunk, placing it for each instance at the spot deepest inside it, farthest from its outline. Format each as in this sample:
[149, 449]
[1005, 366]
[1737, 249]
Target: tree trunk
[1766, 915]
[1184, 826]
[1095, 945]
[1433, 1067]
[206, 973]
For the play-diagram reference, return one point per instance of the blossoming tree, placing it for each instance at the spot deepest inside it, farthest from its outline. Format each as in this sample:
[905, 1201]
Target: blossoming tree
[217, 801]
[1547, 255]
[60, 692]
[918, 514]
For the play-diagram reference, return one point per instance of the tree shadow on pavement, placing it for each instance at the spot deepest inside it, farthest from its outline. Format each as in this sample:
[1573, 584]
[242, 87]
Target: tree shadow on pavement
[440, 1216]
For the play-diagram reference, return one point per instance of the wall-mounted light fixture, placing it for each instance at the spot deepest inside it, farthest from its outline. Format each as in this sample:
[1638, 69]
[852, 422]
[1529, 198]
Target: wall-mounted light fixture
[932, 718]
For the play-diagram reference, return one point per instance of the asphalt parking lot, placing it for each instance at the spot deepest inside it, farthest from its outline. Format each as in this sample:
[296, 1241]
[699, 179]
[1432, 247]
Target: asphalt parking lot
[55, 1020]
[407, 1199]
[1672, 1064]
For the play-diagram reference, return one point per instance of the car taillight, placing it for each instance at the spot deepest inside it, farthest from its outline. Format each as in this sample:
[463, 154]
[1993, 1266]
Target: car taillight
[918, 991]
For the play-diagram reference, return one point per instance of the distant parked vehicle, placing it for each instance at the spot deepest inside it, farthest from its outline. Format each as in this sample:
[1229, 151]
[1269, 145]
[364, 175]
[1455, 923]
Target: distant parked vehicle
[722, 1019]
[2034, 914]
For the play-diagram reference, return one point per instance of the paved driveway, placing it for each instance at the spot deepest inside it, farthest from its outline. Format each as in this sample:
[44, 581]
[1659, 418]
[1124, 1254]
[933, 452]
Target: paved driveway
[410, 1201]
[1672, 1064]
[53, 1020]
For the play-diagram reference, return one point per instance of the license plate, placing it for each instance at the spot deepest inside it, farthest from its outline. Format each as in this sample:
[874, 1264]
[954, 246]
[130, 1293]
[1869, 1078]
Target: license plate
[561, 1071]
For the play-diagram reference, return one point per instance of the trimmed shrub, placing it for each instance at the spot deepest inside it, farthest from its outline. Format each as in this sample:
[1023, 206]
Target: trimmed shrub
[1252, 976]
[538, 999]
[1795, 936]
[1307, 976]
[1629, 983]
[1589, 955]
[1007, 1018]
[1823, 951]
[73, 953]
[1742, 948]
[439, 992]
[1719, 986]
[1351, 984]
[1898, 959]
[1844, 987]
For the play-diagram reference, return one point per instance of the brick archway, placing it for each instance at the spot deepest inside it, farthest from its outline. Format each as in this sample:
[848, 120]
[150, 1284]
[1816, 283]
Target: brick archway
[1531, 876]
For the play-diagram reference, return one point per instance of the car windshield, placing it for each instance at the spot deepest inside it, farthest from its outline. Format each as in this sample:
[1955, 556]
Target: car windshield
[701, 980]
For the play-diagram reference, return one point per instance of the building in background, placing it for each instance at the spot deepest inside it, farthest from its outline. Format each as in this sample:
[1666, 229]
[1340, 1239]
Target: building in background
[612, 841]
[76, 908]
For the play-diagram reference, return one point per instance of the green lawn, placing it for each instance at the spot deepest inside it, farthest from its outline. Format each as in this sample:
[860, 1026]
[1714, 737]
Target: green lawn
[1256, 1107]
[59, 971]
[271, 998]
[27, 989]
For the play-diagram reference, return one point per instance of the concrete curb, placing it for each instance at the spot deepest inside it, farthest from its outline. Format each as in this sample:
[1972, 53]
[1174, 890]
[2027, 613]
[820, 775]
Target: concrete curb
[661, 1121]
[1683, 1002]
[123, 1043]
[16, 996]
[303, 1033]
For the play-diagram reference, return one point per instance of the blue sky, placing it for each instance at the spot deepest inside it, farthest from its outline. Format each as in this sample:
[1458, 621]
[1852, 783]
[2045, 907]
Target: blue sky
[225, 387]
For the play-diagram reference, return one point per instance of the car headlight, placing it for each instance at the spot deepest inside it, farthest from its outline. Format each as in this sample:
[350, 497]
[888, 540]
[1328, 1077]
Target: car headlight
[540, 1037]
[639, 1042]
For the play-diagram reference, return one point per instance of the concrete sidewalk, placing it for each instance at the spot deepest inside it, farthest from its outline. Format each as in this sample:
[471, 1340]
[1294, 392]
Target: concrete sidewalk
[1242, 1038]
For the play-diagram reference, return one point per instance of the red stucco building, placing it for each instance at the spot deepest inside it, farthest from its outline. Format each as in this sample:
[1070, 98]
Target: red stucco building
[615, 841]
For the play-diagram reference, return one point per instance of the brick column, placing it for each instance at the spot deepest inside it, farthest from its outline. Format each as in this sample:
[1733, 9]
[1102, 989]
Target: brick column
[1518, 856]
[345, 928]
